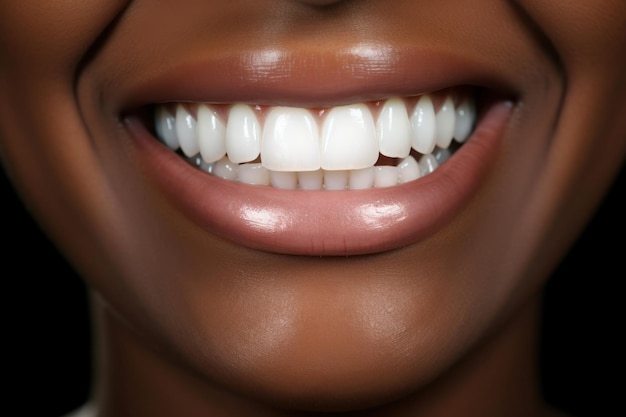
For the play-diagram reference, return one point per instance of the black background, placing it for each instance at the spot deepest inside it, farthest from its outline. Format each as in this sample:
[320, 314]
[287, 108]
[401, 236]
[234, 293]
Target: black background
[47, 334]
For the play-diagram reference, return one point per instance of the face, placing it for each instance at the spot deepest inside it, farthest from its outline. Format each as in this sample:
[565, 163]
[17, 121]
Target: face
[296, 197]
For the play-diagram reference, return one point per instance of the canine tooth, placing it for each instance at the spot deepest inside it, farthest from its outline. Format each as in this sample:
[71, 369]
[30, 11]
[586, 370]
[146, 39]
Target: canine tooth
[186, 130]
[423, 123]
[428, 163]
[385, 176]
[408, 170]
[445, 123]
[253, 174]
[361, 179]
[394, 129]
[225, 169]
[336, 180]
[311, 180]
[211, 135]
[243, 134]
[290, 140]
[465, 118]
[166, 128]
[349, 138]
[284, 180]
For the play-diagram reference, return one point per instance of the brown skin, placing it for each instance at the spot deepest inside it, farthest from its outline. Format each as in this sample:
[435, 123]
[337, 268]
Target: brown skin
[189, 324]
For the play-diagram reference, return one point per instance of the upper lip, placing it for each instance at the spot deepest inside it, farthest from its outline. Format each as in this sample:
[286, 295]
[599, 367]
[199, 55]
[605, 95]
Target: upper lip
[306, 78]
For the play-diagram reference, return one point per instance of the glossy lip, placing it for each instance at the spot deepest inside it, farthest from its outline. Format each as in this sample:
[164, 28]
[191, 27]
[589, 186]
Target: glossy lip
[318, 223]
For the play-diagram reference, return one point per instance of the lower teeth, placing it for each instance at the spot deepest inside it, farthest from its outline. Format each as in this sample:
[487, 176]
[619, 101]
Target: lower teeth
[380, 176]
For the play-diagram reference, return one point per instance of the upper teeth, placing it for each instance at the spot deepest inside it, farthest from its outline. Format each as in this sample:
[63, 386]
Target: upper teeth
[299, 148]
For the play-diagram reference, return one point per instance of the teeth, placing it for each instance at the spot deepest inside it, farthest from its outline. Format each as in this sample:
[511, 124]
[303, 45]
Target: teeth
[394, 129]
[408, 170]
[253, 174]
[465, 117]
[423, 125]
[243, 134]
[385, 176]
[445, 121]
[361, 179]
[166, 128]
[186, 130]
[349, 138]
[290, 140]
[334, 149]
[211, 135]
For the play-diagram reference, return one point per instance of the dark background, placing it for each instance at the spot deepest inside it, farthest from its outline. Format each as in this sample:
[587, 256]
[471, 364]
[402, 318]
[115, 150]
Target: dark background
[47, 365]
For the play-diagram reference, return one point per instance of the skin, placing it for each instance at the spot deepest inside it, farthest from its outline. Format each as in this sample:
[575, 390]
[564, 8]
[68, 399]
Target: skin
[192, 324]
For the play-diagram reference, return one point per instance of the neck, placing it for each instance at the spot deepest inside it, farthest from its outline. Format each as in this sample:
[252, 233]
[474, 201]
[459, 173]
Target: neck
[498, 377]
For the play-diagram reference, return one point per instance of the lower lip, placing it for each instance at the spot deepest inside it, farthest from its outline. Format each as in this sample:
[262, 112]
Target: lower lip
[325, 223]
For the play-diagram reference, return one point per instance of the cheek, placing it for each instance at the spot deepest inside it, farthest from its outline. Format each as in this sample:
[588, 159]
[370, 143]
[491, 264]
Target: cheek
[50, 38]
[584, 34]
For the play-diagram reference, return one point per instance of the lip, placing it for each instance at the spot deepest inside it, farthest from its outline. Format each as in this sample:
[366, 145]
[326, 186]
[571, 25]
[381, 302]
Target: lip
[319, 223]
[310, 77]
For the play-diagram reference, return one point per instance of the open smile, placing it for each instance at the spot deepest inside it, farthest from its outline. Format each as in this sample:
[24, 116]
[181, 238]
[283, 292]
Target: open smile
[257, 172]
[356, 146]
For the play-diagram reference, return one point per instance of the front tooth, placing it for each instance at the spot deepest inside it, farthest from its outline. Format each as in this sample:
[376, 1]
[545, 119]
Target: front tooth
[290, 140]
[394, 129]
[211, 135]
[186, 130]
[423, 123]
[284, 180]
[166, 128]
[465, 115]
[311, 180]
[243, 134]
[445, 123]
[349, 138]
[336, 180]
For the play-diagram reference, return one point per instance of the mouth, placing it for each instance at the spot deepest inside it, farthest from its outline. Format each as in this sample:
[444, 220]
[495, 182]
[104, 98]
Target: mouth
[359, 171]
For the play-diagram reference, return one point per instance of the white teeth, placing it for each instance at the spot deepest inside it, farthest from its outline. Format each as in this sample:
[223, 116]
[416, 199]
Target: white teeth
[284, 180]
[465, 116]
[428, 163]
[166, 128]
[311, 180]
[385, 176]
[445, 123]
[423, 126]
[225, 169]
[349, 138]
[187, 131]
[361, 179]
[408, 170]
[253, 174]
[335, 150]
[336, 180]
[211, 135]
[243, 134]
[394, 129]
[290, 140]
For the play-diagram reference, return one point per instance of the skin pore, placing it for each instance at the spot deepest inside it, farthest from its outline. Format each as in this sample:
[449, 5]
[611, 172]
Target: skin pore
[192, 318]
